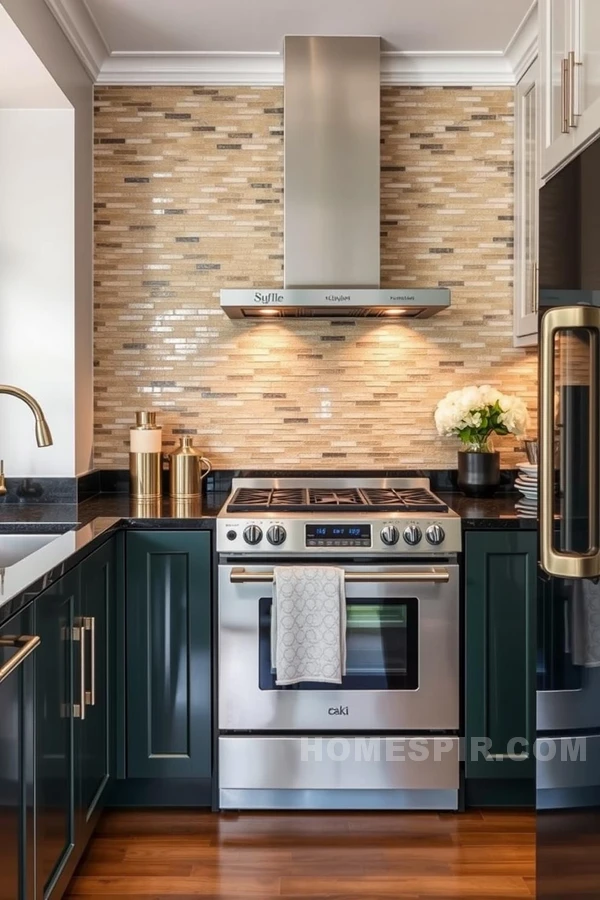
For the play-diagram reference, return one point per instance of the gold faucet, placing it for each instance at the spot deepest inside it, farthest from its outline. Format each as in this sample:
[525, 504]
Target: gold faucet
[43, 435]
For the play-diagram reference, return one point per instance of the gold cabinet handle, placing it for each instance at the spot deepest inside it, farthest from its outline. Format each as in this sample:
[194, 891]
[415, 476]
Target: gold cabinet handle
[564, 96]
[79, 637]
[535, 287]
[24, 645]
[573, 112]
[89, 625]
[564, 564]
[435, 576]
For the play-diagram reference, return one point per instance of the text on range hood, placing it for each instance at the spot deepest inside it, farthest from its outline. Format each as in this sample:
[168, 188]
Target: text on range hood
[332, 191]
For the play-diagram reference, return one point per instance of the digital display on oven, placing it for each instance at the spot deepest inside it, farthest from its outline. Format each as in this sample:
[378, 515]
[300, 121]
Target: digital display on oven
[343, 535]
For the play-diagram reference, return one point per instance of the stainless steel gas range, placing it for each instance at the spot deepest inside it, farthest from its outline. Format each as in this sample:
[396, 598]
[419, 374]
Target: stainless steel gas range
[387, 736]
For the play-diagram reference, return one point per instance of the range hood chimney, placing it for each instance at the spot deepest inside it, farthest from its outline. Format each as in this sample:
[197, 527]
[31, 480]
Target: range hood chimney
[332, 190]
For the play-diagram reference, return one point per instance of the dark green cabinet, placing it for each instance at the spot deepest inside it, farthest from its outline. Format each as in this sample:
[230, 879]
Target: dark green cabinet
[18, 646]
[500, 592]
[55, 771]
[95, 732]
[168, 655]
[74, 730]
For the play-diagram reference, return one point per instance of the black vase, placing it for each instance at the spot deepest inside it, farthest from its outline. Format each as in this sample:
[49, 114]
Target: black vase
[478, 473]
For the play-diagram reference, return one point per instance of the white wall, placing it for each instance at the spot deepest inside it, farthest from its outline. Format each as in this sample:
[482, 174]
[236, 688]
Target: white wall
[37, 290]
[40, 29]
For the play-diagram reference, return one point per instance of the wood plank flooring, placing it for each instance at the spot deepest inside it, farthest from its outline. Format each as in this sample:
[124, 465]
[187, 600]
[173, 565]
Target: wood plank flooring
[180, 854]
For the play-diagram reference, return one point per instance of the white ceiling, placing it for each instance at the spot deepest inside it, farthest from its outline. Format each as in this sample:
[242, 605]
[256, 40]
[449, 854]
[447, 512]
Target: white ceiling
[252, 26]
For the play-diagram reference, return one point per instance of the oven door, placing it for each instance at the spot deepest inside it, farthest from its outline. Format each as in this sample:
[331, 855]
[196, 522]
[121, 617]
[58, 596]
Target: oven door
[402, 668]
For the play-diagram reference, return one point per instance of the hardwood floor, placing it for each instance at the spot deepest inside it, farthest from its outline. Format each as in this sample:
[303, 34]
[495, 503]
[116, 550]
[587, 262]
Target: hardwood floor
[178, 855]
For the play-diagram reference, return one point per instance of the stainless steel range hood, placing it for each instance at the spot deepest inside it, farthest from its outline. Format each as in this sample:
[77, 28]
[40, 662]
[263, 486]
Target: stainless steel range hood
[332, 189]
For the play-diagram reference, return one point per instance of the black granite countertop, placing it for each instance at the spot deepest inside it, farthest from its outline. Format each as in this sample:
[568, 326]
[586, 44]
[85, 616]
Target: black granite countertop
[496, 513]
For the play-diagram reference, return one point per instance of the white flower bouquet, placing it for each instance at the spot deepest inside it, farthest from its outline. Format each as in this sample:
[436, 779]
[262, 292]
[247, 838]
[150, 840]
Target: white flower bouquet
[476, 412]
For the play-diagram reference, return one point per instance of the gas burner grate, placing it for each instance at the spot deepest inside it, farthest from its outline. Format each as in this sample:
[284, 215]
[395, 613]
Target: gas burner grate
[405, 499]
[257, 499]
[335, 499]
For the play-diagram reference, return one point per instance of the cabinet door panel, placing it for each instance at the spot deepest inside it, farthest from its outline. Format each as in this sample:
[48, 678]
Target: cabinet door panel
[556, 29]
[95, 747]
[168, 654]
[500, 650]
[587, 52]
[55, 612]
[559, 36]
[527, 147]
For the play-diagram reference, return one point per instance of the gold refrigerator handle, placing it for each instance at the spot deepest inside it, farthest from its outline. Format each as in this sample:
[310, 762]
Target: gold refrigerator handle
[567, 565]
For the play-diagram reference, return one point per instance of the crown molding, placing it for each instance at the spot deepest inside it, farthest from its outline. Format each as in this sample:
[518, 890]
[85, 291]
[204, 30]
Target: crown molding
[83, 34]
[522, 48]
[446, 69]
[459, 69]
[192, 68]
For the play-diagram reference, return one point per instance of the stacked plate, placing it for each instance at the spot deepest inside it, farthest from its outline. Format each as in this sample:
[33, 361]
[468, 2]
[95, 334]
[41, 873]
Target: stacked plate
[527, 484]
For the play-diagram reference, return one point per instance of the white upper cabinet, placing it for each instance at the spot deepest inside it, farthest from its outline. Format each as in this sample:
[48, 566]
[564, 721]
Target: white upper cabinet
[569, 78]
[586, 68]
[527, 181]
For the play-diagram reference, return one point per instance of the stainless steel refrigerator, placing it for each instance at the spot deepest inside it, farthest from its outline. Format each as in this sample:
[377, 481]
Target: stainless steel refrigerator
[568, 602]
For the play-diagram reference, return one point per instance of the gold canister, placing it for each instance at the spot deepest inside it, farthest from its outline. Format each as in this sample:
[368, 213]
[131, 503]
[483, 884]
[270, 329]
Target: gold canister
[185, 474]
[145, 457]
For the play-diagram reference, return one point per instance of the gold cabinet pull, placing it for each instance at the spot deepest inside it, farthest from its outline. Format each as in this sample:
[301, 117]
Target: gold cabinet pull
[24, 645]
[555, 562]
[79, 636]
[572, 75]
[90, 627]
[564, 96]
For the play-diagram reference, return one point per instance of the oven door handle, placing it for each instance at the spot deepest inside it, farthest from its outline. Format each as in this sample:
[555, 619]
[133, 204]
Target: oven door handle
[423, 576]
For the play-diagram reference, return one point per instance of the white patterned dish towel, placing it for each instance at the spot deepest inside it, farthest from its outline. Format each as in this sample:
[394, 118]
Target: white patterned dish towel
[586, 623]
[308, 624]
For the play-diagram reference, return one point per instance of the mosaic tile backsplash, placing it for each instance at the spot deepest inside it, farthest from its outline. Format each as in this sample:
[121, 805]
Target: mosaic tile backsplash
[189, 189]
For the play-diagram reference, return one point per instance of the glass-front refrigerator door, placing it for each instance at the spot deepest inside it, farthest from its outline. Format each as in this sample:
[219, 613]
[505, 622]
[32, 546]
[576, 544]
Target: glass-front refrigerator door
[568, 623]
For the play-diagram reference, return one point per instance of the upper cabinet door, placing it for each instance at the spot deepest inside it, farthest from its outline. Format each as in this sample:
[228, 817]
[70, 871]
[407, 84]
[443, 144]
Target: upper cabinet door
[527, 175]
[584, 64]
[570, 78]
[556, 30]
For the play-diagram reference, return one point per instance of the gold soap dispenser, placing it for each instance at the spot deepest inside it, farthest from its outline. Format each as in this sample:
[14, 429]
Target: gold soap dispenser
[185, 472]
[145, 457]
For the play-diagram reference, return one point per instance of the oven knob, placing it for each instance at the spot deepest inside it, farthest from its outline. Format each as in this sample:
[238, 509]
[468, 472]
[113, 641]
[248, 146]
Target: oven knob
[389, 535]
[435, 534]
[252, 534]
[276, 534]
[231, 535]
[412, 534]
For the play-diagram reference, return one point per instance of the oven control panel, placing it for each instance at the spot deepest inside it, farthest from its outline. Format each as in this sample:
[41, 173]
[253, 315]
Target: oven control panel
[319, 534]
[424, 535]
